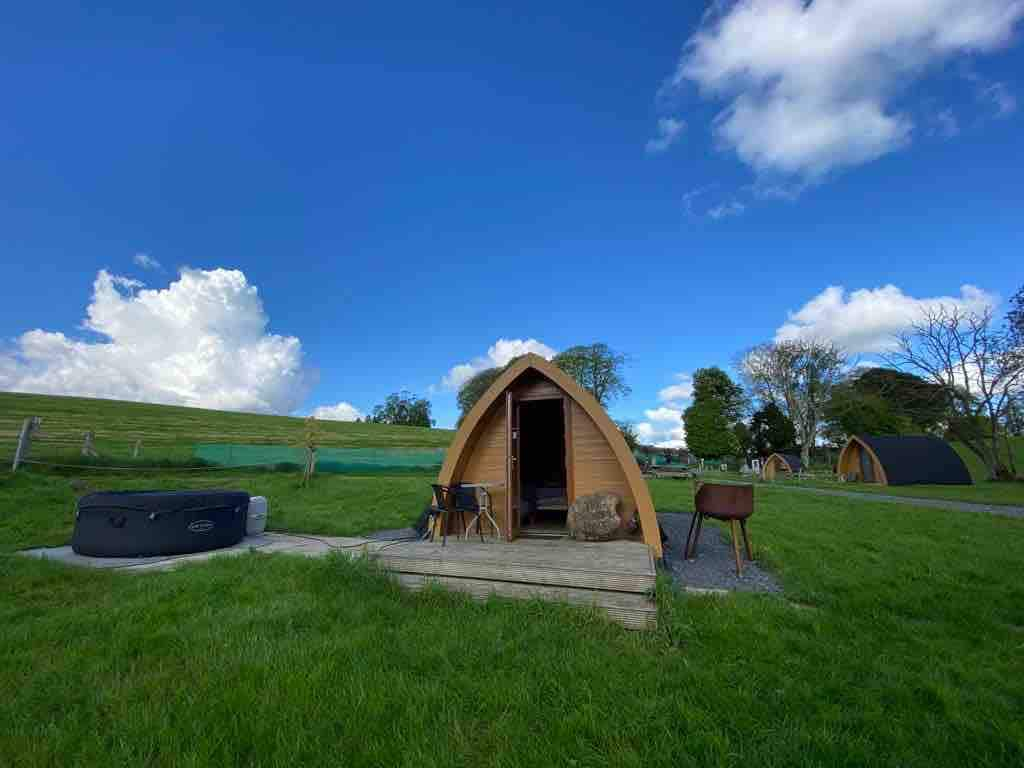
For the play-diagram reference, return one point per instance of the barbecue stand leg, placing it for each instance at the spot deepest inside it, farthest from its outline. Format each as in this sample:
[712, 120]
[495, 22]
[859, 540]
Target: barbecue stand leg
[746, 539]
[736, 547]
[689, 536]
[696, 537]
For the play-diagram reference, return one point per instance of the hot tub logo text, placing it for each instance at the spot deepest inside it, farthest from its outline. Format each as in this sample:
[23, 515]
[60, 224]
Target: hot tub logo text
[201, 526]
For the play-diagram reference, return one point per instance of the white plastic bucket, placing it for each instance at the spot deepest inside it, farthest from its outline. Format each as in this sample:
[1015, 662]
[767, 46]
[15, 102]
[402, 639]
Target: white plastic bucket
[256, 522]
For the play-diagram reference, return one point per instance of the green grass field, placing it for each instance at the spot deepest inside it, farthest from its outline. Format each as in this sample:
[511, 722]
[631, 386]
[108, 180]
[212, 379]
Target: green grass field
[898, 641]
[170, 432]
[985, 492]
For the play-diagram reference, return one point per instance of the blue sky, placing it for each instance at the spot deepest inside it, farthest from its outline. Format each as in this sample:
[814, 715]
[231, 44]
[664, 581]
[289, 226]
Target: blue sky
[407, 185]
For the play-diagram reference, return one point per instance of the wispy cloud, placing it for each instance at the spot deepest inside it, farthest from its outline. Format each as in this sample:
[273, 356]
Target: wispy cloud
[946, 124]
[669, 131]
[1000, 97]
[689, 198]
[726, 210]
[146, 261]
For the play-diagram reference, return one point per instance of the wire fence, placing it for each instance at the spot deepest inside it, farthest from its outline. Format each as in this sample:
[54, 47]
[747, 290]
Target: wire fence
[175, 454]
[143, 467]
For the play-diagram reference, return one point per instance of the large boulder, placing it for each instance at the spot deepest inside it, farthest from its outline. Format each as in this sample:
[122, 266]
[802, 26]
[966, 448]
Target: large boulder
[595, 517]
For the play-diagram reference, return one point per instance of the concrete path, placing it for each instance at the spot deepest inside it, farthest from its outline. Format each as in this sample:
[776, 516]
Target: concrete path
[956, 506]
[308, 545]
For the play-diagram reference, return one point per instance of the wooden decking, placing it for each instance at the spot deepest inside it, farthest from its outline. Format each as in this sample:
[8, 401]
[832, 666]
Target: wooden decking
[616, 576]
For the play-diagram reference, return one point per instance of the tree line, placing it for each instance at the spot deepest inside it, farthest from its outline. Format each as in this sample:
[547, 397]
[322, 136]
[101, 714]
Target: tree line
[596, 367]
[954, 372]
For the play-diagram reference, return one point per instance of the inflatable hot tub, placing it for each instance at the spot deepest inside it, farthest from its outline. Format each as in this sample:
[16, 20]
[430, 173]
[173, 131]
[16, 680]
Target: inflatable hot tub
[147, 523]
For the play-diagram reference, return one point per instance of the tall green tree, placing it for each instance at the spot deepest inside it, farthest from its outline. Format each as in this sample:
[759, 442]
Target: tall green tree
[771, 431]
[474, 388]
[708, 433]
[404, 409]
[629, 434]
[1015, 318]
[597, 368]
[924, 404]
[713, 385]
[744, 440]
[979, 365]
[851, 411]
[798, 376]
[712, 421]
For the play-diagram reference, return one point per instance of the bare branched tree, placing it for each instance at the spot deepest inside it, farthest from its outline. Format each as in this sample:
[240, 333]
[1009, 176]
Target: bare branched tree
[798, 377]
[980, 367]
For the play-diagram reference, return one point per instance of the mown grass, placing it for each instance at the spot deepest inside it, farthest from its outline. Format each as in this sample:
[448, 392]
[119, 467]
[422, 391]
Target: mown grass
[1009, 493]
[170, 432]
[898, 642]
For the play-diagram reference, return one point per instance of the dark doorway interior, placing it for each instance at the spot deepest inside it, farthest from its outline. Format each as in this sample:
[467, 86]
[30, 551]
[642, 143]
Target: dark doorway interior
[542, 476]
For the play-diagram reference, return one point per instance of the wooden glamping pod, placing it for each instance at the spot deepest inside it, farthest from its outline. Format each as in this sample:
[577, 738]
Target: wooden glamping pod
[785, 464]
[538, 441]
[909, 460]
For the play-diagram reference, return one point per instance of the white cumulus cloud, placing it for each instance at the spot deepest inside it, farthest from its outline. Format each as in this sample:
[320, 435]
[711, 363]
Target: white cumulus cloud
[664, 414]
[339, 412]
[669, 131]
[865, 320]
[201, 341]
[664, 425]
[813, 86]
[498, 354]
[681, 390]
[662, 435]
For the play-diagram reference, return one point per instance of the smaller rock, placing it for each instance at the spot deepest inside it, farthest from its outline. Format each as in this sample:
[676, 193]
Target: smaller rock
[595, 517]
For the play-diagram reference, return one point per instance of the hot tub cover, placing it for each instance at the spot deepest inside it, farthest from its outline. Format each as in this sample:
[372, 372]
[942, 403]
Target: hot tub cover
[147, 523]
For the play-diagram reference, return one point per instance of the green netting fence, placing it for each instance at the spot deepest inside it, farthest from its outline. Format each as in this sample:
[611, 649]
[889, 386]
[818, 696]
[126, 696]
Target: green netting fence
[352, 461]
[656, 460]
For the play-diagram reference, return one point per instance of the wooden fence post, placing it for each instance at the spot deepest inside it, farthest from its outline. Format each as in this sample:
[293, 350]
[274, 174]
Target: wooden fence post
[88, 449]
[30, 425]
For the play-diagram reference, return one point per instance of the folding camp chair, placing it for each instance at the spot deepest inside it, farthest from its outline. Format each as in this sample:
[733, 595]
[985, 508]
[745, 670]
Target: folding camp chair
[438, 512]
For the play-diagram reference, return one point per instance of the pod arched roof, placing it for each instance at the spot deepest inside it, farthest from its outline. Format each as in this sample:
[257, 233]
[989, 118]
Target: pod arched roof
[912, 459]
[464, 438]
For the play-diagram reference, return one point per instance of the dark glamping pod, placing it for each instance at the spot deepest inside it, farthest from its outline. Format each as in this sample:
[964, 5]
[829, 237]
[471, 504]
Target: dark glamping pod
[148, 523]
[908, 460]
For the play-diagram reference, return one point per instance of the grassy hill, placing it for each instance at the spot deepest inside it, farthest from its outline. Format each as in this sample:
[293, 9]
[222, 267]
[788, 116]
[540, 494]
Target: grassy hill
[169, 432]
[977, 468]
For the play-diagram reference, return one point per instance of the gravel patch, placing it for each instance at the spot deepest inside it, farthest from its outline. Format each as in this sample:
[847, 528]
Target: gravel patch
[956, 506]
[714, 567]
